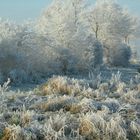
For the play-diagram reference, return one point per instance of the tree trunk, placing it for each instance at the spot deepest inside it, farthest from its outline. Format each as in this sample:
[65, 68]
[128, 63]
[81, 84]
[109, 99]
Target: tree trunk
[96, 30]
[126, 40]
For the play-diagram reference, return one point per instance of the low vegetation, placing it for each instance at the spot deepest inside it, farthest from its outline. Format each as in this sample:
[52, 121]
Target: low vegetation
[71, 109]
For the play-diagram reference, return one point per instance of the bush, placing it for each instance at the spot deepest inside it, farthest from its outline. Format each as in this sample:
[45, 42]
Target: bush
[117, 54]
[87, 52]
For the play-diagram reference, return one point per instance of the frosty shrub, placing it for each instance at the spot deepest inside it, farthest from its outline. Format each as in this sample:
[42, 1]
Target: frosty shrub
[24, 55]
[63, 85]
[120, 55]
[117, 54]
[4, 87]
[12, 56]
[89, 53]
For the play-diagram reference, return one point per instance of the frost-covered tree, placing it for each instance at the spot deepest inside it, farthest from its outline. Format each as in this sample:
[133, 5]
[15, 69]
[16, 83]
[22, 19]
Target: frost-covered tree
[124, 26]
[109, 22]
[63, 21]
[109, 19]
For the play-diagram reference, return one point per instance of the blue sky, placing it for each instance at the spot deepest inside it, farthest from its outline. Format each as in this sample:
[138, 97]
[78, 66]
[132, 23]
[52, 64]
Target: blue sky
[20, 10]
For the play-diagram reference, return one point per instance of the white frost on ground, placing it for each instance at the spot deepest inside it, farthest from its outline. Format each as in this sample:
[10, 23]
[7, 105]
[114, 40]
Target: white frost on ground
[66, 108]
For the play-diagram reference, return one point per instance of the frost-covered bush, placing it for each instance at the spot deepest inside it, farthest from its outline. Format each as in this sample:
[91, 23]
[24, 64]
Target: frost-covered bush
[117, 54]
[24, 55]
[63, 85]
[120, 55]
[88, 51]
[13, 51]
[7, 47]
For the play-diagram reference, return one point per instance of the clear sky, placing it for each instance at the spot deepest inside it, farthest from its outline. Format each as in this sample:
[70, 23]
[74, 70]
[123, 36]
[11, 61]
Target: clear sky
[20, 10]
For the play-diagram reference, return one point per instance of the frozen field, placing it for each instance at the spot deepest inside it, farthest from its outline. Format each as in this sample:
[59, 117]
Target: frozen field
[73, 109]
